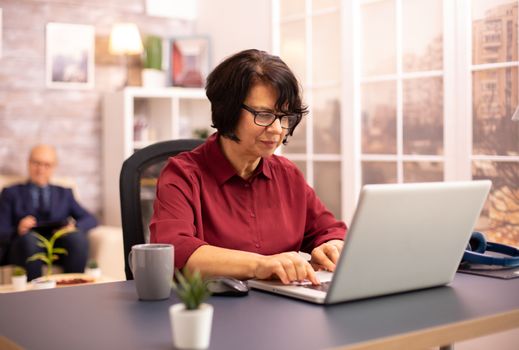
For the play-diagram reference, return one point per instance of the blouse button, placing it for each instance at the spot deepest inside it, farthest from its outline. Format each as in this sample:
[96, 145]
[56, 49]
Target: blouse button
[257, 245]
[253, 215]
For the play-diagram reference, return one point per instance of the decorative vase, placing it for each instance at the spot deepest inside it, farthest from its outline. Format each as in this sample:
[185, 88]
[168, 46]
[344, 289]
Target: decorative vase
[153, 78]
[191, 328]
[19, 282]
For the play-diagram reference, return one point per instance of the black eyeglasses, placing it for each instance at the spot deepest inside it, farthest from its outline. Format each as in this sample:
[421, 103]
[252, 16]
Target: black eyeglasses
[287, 121]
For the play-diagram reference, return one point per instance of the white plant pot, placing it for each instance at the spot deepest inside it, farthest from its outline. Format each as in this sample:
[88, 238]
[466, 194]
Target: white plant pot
[191, 328]
[19, 282]
[43, 283]
[95, 273]
[153, 78]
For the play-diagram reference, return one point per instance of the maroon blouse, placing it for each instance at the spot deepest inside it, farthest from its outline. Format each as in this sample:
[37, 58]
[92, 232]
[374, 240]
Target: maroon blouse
[201, 200]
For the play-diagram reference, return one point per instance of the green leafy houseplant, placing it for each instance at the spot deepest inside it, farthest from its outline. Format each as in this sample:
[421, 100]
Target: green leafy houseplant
[191, 320]
[152, 56]
[19, 278]
[201, 133]
[191, 289]
[92, 264]
[19, 271]
[52, 252]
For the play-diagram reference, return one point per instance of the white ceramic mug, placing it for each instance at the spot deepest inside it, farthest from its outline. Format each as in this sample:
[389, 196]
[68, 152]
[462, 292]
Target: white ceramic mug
[152, 268]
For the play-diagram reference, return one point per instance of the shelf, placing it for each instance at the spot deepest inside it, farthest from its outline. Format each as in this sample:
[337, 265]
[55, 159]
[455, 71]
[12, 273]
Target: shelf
[161, 114]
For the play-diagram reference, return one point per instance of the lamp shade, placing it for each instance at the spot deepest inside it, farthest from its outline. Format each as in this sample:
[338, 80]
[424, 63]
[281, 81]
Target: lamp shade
[125, 39]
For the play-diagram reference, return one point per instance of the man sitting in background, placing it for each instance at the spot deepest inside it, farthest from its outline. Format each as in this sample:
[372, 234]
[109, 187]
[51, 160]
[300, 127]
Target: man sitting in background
[37, 204]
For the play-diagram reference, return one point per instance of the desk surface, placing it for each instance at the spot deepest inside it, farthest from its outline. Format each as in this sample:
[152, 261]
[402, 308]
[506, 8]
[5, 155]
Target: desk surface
[109, 316]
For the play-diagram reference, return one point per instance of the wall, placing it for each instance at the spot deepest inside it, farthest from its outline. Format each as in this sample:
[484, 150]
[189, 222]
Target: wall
[235, 25]
[30, 113]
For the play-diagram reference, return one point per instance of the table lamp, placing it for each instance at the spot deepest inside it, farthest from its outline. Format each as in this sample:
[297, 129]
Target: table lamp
[125, 40]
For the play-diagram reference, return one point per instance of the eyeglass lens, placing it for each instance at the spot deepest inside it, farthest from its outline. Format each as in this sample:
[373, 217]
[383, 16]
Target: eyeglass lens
[267, 119]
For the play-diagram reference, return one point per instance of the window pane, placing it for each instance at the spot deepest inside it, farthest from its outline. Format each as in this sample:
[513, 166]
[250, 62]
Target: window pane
[324, 4]
[379, 117]
[293, 47]
[378, 38]
[327, 121]
[292, 7]
[423, 171]
[494, 101]
[494, 31]
[327, 184]
[500, 216]
[378, 172]
[326, 51]
[423, 116]
[297, 142]
[422, 35]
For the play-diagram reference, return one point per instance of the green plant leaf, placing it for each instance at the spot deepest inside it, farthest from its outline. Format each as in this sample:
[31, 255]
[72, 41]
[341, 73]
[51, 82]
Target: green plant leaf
[152, 55]
[59, 250]
[60, 233]
[191, 288]
[39, 256]
[51, 254]
[43, 242]
[19, 271]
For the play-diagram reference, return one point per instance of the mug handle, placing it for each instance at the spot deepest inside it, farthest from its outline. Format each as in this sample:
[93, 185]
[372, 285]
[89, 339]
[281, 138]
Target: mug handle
[130, 260]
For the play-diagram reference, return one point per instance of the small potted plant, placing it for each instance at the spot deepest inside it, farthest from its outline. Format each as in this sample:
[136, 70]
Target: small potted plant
[152, 73]
[201, 133]
[49, 256]
[19, 278]
[92, 269]
[191, 319]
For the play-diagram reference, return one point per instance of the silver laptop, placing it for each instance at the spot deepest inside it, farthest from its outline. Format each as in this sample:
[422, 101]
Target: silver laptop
[402, 237]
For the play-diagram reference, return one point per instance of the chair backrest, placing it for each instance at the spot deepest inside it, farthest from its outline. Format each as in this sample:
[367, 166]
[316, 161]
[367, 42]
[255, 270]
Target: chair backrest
[141, 170]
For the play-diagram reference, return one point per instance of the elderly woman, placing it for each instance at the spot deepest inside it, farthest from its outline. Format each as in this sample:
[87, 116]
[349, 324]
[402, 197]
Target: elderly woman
[231, 207]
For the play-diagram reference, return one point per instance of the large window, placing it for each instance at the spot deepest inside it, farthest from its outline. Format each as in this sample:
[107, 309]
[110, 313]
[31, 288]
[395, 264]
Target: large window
[426, 89]
[401, 91]
[305, 29]
[495, 137]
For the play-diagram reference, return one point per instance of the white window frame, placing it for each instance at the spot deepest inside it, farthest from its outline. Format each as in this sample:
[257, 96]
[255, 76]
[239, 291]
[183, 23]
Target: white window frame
[457, 105]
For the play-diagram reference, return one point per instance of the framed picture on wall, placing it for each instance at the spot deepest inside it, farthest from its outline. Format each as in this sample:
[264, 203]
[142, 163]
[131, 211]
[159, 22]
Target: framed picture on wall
[189, 61]
[70, 56]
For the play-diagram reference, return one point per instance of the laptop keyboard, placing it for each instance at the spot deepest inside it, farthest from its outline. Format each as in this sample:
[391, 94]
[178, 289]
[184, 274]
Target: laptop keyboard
[323, 287]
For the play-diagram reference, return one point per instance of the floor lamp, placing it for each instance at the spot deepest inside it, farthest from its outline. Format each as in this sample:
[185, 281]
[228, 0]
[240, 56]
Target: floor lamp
[125, 40]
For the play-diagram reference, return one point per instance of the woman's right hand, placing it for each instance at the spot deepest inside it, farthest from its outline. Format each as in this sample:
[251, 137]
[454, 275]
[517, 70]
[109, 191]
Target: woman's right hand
[26, 224]
[288, 267]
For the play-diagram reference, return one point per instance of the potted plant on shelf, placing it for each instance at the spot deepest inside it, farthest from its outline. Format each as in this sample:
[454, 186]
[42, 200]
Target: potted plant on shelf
[92, 269]
[191, 319]
[152, 73]
[19, 278]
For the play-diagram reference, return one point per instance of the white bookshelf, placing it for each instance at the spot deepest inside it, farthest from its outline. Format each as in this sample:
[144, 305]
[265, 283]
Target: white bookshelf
[163, 113]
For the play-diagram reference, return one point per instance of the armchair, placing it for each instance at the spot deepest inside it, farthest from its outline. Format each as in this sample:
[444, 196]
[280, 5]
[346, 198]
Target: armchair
[106, 242]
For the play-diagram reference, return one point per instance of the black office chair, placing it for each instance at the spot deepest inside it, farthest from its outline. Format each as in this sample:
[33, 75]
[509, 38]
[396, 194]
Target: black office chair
[137, 184]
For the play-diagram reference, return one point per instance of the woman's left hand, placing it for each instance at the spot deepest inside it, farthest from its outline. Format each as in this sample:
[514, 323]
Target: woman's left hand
[325, 256]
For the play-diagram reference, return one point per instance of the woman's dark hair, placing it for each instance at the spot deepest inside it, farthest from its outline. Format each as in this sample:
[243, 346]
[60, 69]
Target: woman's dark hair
[229, 83]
